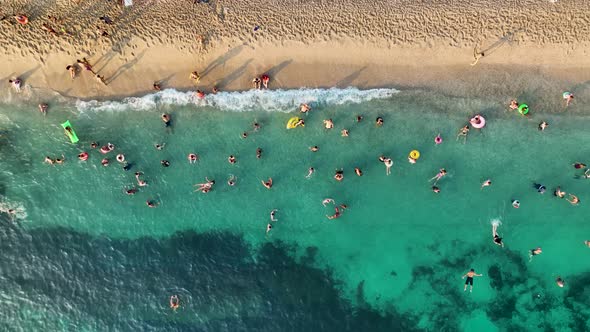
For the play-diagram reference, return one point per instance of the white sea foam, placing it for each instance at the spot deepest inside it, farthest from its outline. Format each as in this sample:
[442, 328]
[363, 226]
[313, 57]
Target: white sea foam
[252, 100]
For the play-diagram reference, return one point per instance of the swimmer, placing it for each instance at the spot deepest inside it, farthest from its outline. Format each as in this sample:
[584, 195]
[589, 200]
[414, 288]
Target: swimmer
[463, 133]
[379, 122]
[435, 189]
[438, 139]
[540, 188]
[358, 171]
[232, 180]
[157, 86]
[328, 124]
[388, 163]
[83, 156]
[151, 204]
[559, 193]
[568, 97]
[165, 163]
[513, 104]
[343, 206]
[200, 94]
[231, 159]
[497, 239]
[265, 79]
[543, 125]
[272, 215]
[256, 126]
[587, 243]
[120, 158]
[205, 187]
[359, 118]
[174, 302]
[131, 191]
[140, 182]
[304, 108]
[382, 158]
[104, 162]
[586, 174]
[244, 135]
[534, 252]
[486, 183]
[301, 122]
[412, 160]
[159, 146]
[335, 215]
[339, 175]
[328, 200]
[49, 160]
[314, 148]
[268, 228]
[344, 133]
[60, 161]
[469, 280]
[560, 282]
[166, 119]
[267, 184]
[515, 203]
[573, 199]
[43, 109]
[258, 153]
[310, 172]
[578, 165]
[442, 172]
[15, 84]
[93, 145]
[192, 158]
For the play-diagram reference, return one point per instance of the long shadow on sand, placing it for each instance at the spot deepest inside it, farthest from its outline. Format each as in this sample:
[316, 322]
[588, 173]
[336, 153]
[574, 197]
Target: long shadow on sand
[220, 61]
[227, 80]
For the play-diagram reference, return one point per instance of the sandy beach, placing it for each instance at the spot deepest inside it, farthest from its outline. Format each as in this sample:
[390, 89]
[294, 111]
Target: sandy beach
[402, 44]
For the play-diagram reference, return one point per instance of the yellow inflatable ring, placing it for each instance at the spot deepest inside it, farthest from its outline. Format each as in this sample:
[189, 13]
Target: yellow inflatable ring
[414, 154]
[292, 123]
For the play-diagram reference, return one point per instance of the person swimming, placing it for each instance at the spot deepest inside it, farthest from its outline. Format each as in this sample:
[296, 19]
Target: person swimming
[272, 215]
[159, 146]
[469, 275]
[205, 187]
[174, 302]
[140, 182]
[534, 252]
[165, 163]
[358, 171]
[435, 189]
[559, 193]
[304, 108]
[151, 204]
[268, 228]
[328, 200]
[442, 172]
[335, 215]
[130, 191]
[560, 282]
[258, 153]
[104, 162]
[359, 118]
[120, 158]
[83, 156]
[314, 148]
[232, 180]
[166, 119]
[267, 184]
[388, 163]
[540, 188]
[486, 183]
[578, 165]
[339, 175]
[379, 121]
[463, 133]
[192, 158]
[573, 199]
[515, 203]
[310, 172]
[328, 124]
[543, 125]
[43, 108]
[496, 237]
[438, 139]
[244, 135]
[231, 159]
[344, 133]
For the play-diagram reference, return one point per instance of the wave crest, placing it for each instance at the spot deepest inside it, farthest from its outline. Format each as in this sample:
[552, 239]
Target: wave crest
[251, 100]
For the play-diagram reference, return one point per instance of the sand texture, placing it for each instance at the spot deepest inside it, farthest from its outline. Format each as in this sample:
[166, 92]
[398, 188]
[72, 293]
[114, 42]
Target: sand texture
[308, 42]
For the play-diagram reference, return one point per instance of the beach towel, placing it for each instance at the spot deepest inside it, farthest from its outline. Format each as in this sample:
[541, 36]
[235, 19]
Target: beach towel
[128, 3]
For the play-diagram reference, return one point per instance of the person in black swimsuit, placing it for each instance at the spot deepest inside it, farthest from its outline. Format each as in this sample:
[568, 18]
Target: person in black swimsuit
[497, 238]
[469, 280]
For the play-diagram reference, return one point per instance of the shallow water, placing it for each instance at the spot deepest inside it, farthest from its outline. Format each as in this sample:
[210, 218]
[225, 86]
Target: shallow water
[83, 255]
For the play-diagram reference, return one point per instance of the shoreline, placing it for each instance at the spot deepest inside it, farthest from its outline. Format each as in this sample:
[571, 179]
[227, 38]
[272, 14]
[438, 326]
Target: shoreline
[292, 65]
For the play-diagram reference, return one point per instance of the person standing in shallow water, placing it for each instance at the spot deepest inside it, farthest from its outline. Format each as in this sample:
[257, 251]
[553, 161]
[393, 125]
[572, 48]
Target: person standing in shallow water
[469, 280]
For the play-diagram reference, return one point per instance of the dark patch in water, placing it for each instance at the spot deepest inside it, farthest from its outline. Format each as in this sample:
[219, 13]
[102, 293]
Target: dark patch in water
[393, 274]
[111, 284]
[495, 277]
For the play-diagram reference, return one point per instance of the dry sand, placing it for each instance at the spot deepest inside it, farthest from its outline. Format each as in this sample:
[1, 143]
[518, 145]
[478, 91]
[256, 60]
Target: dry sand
[314, 43]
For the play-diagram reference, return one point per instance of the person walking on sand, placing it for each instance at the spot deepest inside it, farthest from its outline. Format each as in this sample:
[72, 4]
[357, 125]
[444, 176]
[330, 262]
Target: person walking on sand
[256, 83]
[85, 65]
[267, 184]
[265, 79]
[469, 275]
[194, 76]
[442, 172]
[100, 79]
[72, 70]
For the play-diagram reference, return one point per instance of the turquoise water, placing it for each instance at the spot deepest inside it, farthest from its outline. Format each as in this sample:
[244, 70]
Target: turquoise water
[82, 255]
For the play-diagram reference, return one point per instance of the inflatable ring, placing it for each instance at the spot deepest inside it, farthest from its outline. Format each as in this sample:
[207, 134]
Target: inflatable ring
[566, 95]
[478, 122]
[414, 154]
[292, 123]
[523, 109]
